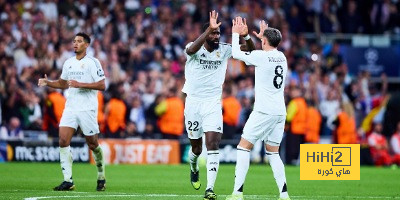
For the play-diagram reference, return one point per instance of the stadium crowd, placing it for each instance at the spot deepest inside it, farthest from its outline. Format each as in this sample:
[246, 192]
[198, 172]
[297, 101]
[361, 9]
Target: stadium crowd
[140, 44]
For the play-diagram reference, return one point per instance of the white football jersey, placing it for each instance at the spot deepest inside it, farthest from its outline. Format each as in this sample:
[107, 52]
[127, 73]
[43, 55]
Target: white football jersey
[270, 75]
[86, 70]
[205, 71]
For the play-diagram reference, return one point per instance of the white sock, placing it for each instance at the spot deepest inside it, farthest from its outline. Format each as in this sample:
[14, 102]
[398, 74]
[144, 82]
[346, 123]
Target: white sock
[66, 163]
[193, 161]
[212, 168]
[279, 172]
[99, 159]
[242, 166]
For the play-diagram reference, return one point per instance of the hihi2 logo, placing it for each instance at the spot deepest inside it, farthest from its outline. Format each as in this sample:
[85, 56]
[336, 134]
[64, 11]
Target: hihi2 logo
[329, 162]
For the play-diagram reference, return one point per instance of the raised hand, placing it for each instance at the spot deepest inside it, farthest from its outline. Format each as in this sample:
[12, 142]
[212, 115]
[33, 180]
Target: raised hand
[213, 20]
[237, 25]
[263, 27]
[243, 26]
[43, 81]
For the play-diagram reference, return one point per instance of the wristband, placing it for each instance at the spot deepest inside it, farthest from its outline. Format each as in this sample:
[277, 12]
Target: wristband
[247, 37]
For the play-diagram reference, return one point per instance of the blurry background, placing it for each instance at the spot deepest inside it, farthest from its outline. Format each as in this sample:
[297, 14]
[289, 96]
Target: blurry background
[343, 58]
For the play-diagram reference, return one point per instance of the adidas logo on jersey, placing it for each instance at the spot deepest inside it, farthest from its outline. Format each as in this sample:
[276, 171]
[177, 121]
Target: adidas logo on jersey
[219, 128]
[203, 55]
[213, 169]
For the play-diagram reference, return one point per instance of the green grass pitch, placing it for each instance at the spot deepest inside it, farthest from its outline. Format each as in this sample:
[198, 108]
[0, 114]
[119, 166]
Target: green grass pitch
[35, 181]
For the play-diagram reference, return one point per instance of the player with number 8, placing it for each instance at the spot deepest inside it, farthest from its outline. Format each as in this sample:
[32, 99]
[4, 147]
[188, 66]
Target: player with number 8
[267, 120]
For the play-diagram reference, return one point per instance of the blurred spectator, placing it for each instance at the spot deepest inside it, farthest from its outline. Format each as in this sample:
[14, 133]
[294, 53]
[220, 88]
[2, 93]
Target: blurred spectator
[245, 111]
[391, 116]
[53, 109]
[234, 68]
[395, 145]
[346, 130]
[375, 106]
[327, 21]
[379, 147]
[115, 113]
[31, 112]
[230, 111]
[130, 131]
[170, 112]
[296, 120]
[152, 117]
[294, 20]
[49, 9]
[313, 124]
[380, 15]
[334, 57]
[11, 130]
[150, 94]
[13, 97]
[394, 19]
[351, 20]
[246, 88]
[307, 14]
[329, 109]
[323, 86]
[137, 115]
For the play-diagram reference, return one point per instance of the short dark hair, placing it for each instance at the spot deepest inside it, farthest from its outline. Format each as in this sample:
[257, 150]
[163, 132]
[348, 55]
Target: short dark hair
[85, 36]
[273, 36]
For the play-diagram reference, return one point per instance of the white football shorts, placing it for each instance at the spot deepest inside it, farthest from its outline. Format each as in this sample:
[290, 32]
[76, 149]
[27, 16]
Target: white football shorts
[87, 120]
[268, 128]
[202, 116]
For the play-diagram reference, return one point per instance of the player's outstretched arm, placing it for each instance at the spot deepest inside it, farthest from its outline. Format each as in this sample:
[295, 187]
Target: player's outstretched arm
[99, 85]
[59, 84]
[237, 28]
[244, 32]
[202, 38]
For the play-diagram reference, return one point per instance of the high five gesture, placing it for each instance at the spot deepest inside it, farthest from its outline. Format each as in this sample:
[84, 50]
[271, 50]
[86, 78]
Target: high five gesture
[213, 20]
[239, 25]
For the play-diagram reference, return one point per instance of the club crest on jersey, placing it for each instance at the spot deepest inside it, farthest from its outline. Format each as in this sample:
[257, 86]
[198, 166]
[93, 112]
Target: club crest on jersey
[83, 65]
[100, 73]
